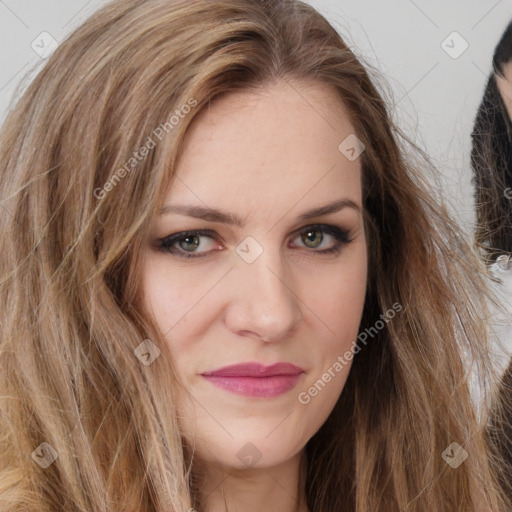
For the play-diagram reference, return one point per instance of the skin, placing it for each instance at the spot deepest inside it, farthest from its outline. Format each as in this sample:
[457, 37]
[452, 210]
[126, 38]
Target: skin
[267, 157]
[505, 86]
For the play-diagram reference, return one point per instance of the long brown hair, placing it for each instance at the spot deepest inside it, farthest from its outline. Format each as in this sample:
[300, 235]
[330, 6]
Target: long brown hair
[79, 192]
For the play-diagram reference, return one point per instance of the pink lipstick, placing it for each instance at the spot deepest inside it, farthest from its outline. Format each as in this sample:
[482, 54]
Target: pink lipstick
[256, 380]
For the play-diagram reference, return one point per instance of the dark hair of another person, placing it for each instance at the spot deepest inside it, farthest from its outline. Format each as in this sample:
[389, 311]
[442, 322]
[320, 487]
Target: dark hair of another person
[491, 160]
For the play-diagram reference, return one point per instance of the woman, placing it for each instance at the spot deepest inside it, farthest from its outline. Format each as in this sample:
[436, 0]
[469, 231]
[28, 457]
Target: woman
[225, 284]
[491, 158]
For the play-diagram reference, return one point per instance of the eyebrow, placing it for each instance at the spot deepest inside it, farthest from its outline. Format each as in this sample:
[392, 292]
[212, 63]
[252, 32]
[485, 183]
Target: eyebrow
[212, 215]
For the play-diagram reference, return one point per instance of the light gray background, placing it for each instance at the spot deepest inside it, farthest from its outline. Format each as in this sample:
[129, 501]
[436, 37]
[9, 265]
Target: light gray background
[435, 96]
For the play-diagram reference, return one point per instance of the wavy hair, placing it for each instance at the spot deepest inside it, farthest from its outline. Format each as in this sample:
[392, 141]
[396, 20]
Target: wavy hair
[74, 227]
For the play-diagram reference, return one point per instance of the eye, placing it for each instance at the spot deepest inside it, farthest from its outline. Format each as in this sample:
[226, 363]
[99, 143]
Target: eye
[314, 236]
[184, 244]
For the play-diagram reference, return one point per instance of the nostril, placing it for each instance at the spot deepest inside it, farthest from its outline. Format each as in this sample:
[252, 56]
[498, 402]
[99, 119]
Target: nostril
[250, 333]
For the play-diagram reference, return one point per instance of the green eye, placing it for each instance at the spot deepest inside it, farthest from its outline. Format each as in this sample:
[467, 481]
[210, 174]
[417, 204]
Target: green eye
[311, 240]
[185, 244]
[189, 242]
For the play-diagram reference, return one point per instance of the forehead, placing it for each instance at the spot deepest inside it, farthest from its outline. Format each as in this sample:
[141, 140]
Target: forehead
[268, 146]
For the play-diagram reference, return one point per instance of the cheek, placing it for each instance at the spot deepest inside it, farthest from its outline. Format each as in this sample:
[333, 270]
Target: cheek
[339, 304]
[170, 296]
[184, 303]
[170, 292]
[339, 299]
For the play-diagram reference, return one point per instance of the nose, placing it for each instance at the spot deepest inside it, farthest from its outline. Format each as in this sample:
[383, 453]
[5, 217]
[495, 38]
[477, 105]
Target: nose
[264, 303]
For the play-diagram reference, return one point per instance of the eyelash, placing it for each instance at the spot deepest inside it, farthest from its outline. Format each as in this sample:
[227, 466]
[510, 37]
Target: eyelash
[342, 237]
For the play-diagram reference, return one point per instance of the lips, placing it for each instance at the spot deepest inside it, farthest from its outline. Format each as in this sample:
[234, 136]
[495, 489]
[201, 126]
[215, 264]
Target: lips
[255, 380]
[255, 370]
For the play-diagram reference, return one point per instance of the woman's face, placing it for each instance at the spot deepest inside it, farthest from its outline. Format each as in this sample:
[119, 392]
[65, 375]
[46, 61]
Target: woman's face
[284, 284]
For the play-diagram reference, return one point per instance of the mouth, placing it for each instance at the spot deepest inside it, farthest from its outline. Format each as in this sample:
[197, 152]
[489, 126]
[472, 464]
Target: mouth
[256, 386]
[256, 380]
